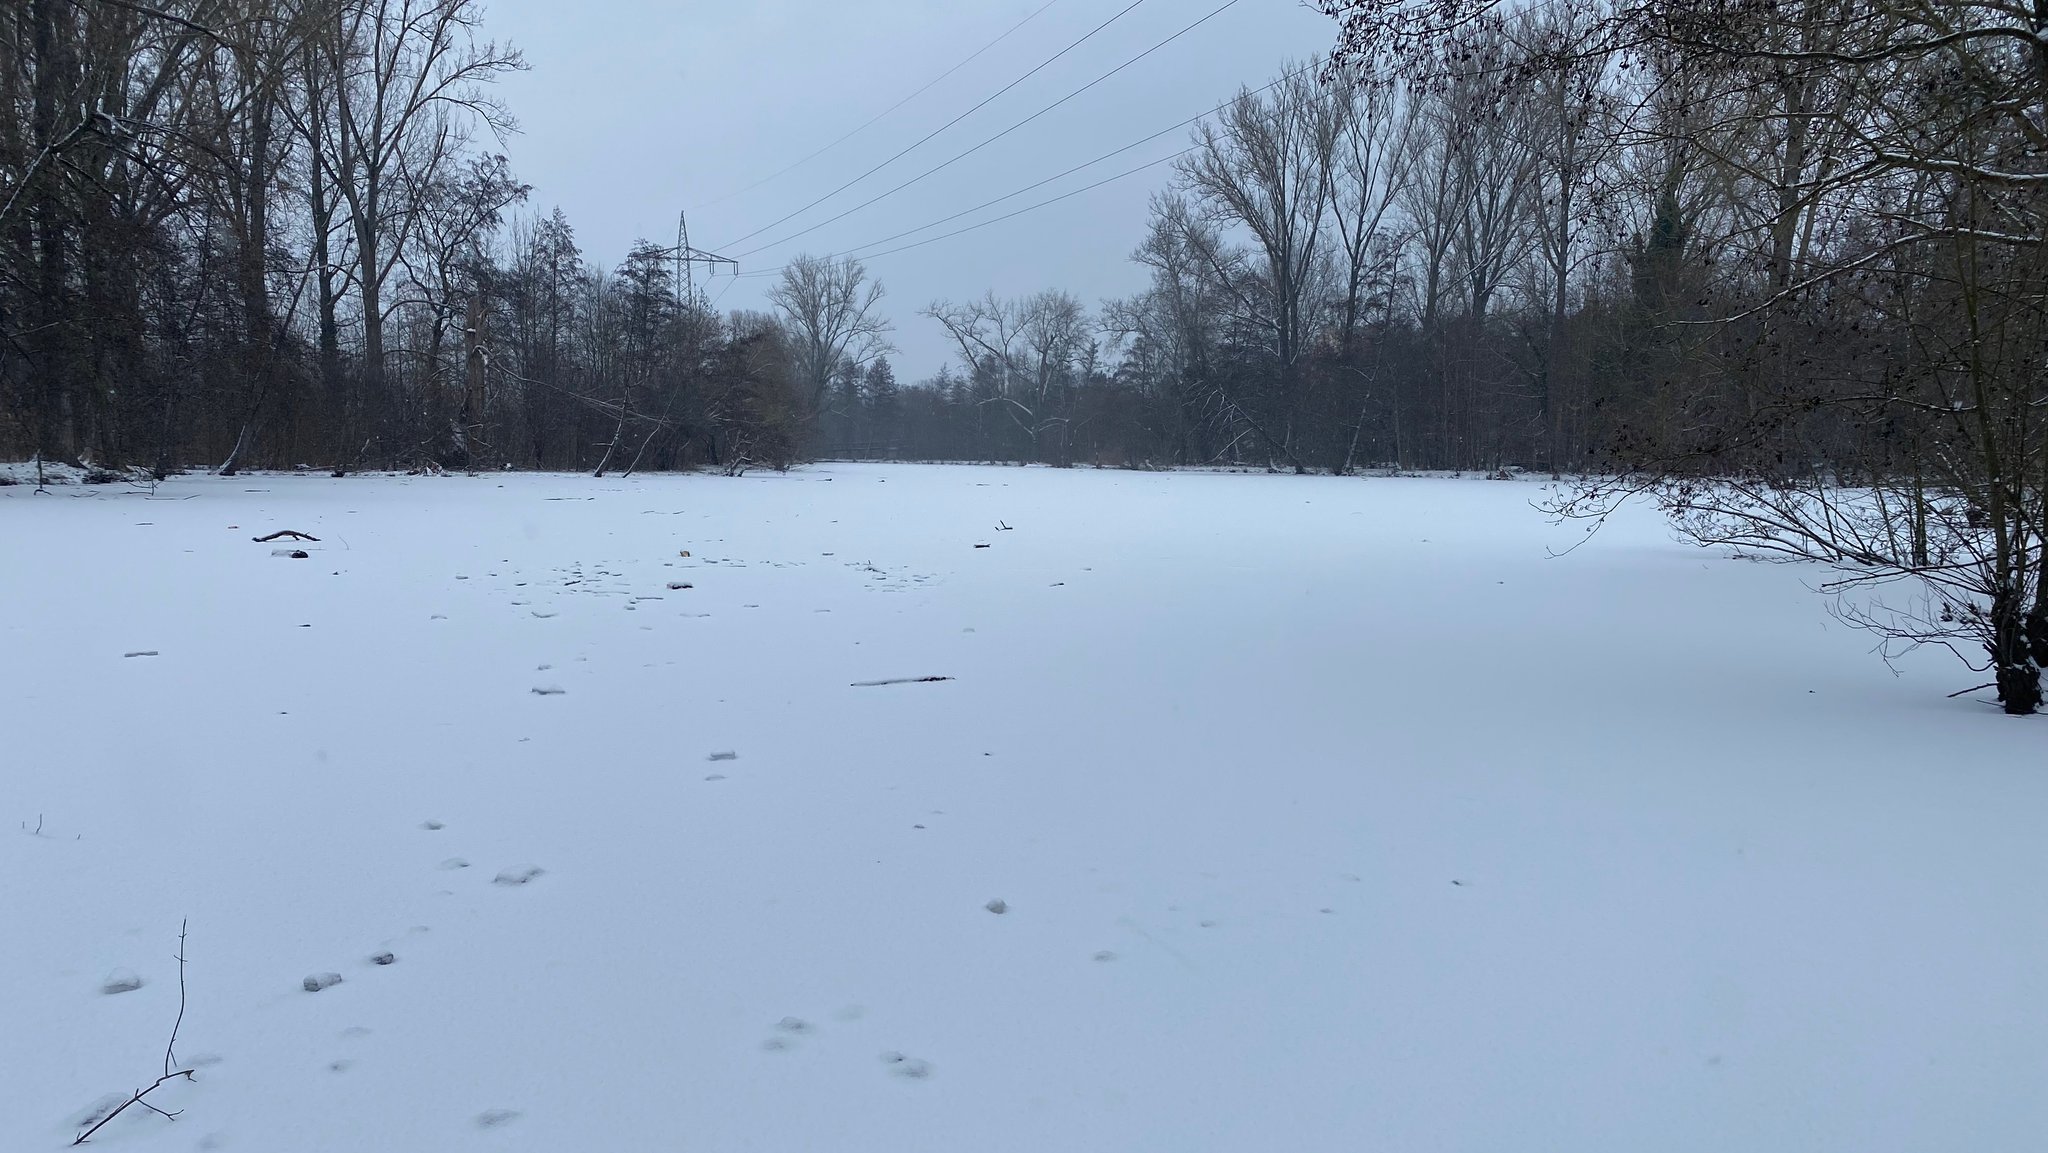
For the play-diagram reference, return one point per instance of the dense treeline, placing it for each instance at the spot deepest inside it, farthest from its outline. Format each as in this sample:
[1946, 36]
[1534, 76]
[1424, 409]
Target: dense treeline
[1779, 264]
[1826, 315]
[240, 232]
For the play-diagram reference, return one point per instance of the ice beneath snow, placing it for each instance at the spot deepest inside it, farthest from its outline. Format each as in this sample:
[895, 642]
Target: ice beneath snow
[1401, 833]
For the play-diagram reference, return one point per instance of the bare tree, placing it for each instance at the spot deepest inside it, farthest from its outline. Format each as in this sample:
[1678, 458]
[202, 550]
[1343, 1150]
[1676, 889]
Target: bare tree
[1169, 334]
[832, 312]
[1567, 117]
[1034, 347]
[406, 79]
[1468, 204]
[1265, 167]
[1371, 167]
[247, 78]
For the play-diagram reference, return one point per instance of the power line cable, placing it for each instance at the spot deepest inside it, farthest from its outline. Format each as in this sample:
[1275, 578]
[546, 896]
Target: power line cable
[1032, 207]
[1013, 194]
[870, 121]
[992, 220]
[1213, 13]
[1041, 66]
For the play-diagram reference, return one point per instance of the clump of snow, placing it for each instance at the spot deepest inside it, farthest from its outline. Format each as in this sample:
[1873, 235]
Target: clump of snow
[121, 981]
[315, 982]
[25, 472]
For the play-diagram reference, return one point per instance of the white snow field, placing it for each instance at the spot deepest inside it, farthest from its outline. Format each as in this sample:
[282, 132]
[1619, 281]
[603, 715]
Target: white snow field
[1323, 815]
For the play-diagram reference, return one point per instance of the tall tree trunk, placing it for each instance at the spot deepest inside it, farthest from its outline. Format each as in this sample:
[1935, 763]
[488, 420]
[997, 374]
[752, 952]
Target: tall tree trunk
[51, 366]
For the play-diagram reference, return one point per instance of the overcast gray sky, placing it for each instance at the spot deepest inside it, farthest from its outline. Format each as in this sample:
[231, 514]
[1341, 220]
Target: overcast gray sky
[635, 108]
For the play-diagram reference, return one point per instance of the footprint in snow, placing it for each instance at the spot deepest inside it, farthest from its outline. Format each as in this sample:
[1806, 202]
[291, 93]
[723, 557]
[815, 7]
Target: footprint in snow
[495, 1118]
[911, 1068]
[315, 982]
[517, 875]
[455, 863]
[791, 1028]
[121, 981]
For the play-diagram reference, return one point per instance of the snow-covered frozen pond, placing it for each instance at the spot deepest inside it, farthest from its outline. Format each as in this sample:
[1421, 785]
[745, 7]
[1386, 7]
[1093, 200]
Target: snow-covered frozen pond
[1321, 814]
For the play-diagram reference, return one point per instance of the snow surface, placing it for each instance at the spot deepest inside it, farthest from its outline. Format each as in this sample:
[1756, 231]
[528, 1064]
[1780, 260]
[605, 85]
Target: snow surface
[1319, 814]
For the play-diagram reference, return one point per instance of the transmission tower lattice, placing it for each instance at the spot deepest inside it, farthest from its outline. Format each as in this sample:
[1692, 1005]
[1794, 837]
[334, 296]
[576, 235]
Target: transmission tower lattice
[688, 258]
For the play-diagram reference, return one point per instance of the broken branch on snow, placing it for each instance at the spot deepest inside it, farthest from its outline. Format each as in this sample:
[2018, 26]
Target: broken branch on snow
[170, 1060]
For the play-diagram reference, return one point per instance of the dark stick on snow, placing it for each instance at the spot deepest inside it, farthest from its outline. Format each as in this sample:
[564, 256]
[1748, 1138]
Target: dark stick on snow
[899, 681]
[170, 1074]
[283, 533]
[1972, 689]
